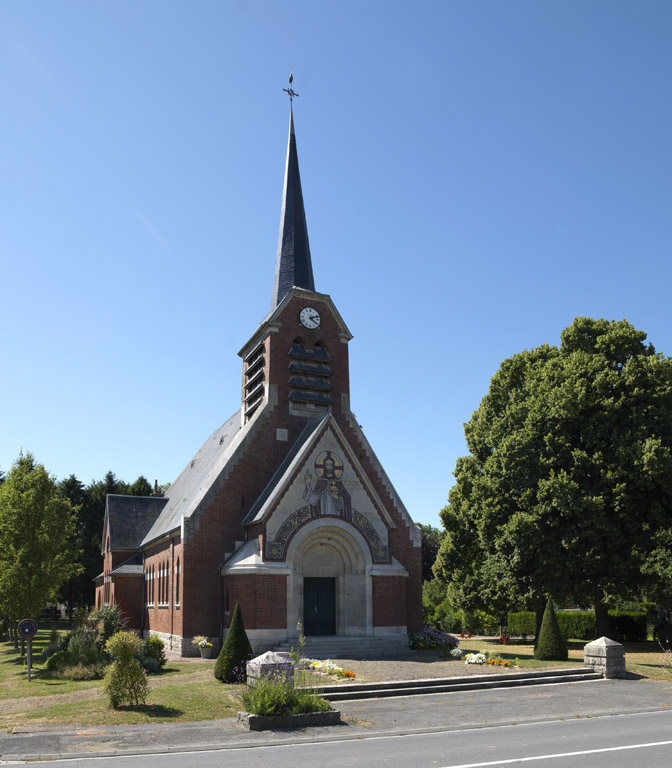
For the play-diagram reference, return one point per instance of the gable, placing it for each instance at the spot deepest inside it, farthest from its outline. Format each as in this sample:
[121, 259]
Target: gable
[128, 518]
[321, 478]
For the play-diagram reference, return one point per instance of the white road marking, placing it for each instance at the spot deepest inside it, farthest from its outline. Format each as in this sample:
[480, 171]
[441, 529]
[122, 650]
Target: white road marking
[560, 754]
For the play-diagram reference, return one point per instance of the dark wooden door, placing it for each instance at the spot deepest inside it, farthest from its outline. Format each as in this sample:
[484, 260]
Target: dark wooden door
[319, 606]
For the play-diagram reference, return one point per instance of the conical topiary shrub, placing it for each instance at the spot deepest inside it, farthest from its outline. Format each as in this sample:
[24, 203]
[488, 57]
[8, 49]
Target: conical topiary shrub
[236, 651]
[551, 645]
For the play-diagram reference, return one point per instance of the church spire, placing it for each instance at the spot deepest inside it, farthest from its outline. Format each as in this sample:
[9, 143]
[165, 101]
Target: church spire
[292, 264]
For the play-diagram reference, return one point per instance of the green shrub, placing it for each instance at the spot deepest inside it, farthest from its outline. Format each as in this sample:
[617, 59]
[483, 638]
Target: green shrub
[578, 624]
[105, 622]
[150, 665]
[83, 648]
[58, 660]
[522, 623]
[235, 653]
[152, 655]
[551, 645]
[125, 680]
[276, 698]
[81, 672]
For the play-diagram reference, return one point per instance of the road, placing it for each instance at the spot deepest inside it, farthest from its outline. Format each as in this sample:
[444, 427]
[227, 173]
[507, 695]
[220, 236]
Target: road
[613, 741]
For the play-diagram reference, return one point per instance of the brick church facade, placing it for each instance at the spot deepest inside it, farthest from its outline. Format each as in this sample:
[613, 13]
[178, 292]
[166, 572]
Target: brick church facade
[285, 508]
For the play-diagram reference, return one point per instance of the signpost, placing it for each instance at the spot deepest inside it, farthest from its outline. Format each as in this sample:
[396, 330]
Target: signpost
[28, 629]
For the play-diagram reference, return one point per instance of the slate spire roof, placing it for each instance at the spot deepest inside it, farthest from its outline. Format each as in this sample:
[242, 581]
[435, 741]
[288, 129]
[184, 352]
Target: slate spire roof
[292, 264]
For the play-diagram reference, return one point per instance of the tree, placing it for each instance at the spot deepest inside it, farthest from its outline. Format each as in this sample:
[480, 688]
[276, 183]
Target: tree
[430, 541]
[567, 490]
[235, 653]
[36, 528]
[551, 645]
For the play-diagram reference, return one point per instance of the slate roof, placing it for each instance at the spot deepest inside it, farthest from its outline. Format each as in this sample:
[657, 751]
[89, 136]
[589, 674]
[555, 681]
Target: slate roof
[195, 480]
[132, 567]
[293, 266]
[130, 517]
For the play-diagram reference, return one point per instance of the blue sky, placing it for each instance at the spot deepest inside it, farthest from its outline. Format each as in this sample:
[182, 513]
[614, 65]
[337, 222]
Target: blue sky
[475, 174]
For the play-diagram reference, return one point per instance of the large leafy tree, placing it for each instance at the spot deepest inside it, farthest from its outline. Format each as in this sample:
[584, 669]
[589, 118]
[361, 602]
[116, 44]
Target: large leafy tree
[36, 528]
[567, 490]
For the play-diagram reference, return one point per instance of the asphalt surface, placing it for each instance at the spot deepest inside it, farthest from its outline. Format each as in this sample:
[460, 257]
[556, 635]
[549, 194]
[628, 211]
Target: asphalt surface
[361, 719]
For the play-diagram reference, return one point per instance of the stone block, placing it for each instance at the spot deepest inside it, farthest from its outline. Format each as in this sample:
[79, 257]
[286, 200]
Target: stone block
[606, 657]
[271, 665]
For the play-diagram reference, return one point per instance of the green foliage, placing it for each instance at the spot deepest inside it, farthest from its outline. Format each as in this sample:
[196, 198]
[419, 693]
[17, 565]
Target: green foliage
[521, 623]
[36, 528]
[551, 645]
[125, 680]
[236, 651]
[437, 611]
[625, 626]
[275, 698]
[152, 654]
[105, 622]
[430, 541]
[567, 489]
[58, 660]
[83, 649]
[578, 624]
[81, 671]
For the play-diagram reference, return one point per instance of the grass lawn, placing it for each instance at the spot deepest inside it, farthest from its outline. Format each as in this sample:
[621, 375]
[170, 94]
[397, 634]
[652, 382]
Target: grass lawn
[182, 692]
[642, 659]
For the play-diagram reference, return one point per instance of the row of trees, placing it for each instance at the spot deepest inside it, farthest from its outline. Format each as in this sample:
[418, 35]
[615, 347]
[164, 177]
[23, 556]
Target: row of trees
[567, 490]
[50, 537]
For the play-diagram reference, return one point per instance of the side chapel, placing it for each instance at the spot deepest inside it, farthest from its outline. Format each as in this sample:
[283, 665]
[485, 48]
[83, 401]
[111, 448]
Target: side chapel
[285, 508]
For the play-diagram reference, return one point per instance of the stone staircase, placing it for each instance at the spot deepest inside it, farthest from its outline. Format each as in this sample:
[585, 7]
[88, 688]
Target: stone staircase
[353, 691]
[344, 647]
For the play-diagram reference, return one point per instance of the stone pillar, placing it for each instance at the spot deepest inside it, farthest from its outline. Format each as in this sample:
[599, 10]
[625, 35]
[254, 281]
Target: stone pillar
[271, 665]
[605, 656]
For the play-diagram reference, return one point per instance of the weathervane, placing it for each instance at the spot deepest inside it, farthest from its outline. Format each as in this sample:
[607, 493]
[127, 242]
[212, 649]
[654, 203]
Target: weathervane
[290, 90]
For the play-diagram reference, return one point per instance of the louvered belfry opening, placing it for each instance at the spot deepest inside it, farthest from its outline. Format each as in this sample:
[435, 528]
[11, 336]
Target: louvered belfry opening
[255, 380]
[309, 377]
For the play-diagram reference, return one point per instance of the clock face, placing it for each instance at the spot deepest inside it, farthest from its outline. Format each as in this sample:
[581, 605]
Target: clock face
[310, 318]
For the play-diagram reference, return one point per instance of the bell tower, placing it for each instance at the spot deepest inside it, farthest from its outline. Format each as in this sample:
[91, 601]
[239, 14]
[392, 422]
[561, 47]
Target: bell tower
[299, 352]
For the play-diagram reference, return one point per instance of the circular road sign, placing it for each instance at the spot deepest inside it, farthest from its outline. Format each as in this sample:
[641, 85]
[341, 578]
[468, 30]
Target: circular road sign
[27, 628]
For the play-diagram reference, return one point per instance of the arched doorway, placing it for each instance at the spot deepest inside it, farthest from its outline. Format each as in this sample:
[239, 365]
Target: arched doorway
[329, 590]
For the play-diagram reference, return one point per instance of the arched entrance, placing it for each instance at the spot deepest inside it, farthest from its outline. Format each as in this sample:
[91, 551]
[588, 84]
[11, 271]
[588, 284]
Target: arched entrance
[329, 590]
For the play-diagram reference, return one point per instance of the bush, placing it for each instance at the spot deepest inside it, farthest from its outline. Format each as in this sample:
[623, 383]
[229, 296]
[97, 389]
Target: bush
[58, 660]
[105, 622]
[578, 624]
[551, 645]
[83, 649]
[152, 655]
[236, 651]
[272, 697]
[522, 623]
[81, 672]
[125, 680]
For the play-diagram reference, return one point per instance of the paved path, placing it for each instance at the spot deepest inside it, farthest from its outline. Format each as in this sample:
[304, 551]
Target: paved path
[361, 720]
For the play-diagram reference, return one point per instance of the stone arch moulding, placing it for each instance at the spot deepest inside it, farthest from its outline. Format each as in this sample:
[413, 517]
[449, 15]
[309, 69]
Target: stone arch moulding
[348, 560]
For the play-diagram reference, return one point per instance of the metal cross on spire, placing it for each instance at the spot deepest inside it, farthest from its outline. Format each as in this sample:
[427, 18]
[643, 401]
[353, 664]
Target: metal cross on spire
[290, 90]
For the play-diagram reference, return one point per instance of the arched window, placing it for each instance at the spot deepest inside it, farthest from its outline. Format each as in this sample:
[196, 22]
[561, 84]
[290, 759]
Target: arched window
[177, 582]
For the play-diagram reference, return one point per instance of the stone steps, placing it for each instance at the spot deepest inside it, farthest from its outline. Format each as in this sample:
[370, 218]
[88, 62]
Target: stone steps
[352, 691]
[344, 647]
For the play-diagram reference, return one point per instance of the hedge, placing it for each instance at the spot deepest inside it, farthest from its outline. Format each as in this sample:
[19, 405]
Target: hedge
[624, 626]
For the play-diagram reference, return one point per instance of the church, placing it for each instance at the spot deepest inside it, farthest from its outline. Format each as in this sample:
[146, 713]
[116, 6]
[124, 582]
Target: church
[285, 508]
